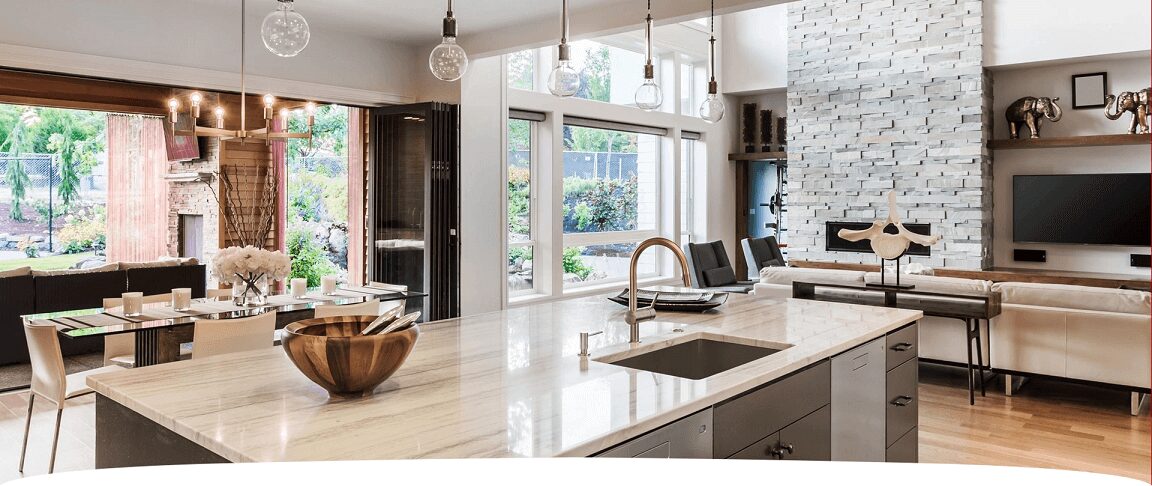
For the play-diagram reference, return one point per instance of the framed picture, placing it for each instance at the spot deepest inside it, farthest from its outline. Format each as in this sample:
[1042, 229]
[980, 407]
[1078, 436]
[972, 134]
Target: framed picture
[1088, 90]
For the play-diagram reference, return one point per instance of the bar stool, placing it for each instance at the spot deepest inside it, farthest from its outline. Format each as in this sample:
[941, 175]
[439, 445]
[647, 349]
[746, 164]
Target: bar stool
[51, 382]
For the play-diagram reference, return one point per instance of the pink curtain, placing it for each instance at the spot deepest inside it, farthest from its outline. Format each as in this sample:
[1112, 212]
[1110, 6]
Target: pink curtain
[356, 196]
[137, 191]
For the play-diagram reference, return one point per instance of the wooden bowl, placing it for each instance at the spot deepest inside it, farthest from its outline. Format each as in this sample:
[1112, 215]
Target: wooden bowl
[331, 352]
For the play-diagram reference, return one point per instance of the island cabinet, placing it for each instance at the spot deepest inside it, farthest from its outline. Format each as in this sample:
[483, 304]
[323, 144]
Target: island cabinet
[859, 405]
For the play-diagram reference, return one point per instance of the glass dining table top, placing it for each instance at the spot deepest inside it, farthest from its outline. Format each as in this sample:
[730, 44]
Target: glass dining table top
[101, 322]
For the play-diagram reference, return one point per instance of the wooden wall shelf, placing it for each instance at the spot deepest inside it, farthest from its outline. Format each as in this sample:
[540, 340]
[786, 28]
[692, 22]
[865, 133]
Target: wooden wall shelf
[1081, 141]
[758, 156]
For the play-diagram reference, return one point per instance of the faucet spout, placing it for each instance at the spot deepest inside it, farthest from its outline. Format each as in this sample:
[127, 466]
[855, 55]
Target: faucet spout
[636, 315]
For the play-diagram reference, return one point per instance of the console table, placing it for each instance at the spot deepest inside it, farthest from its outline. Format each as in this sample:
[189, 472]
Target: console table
[968, 306]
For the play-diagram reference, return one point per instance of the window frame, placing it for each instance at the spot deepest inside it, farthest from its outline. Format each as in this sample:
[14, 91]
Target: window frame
[533, 240]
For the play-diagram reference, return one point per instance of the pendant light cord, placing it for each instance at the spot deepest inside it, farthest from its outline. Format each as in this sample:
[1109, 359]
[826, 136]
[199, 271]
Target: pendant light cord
[243, 91]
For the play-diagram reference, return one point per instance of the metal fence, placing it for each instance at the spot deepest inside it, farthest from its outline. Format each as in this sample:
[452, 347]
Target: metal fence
[41, 204]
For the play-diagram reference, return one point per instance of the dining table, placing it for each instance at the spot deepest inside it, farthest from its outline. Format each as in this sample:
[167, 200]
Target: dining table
[159, 329]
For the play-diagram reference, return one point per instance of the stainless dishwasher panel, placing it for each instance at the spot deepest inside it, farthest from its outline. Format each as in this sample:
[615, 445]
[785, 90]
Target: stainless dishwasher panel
[687, 438]
[858, 412]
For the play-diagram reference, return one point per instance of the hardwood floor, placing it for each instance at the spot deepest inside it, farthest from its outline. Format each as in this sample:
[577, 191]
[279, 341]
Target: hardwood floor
[1047, 424]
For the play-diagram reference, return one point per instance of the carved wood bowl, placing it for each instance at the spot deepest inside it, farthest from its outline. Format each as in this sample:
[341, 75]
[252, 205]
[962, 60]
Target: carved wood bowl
[331, 352]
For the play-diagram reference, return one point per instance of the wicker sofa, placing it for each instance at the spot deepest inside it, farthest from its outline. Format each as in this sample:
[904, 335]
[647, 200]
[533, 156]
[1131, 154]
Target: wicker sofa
[31, 292]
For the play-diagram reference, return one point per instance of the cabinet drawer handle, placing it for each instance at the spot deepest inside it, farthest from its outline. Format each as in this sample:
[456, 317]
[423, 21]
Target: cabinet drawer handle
[902, 401]
[901, 347]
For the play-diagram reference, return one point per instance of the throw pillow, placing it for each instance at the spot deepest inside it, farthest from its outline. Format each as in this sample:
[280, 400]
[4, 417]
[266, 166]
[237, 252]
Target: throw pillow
[110, 267]
[719, 277]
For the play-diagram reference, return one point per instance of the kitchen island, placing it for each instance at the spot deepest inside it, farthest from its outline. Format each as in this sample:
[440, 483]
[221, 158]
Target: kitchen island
[503, 384]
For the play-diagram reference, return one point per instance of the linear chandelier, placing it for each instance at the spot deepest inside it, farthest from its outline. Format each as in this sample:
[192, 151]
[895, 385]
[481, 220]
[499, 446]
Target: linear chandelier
[267, 133]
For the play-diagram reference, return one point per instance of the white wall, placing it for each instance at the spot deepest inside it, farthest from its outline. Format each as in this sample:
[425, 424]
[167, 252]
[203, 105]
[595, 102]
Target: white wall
[1055, 80]
[483, 227]
[1024, 31]
[195, 43]
[756, 44]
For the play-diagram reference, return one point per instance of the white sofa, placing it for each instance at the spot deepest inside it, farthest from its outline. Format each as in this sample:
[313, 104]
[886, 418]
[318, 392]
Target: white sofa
[1067, 331]
[941, 338]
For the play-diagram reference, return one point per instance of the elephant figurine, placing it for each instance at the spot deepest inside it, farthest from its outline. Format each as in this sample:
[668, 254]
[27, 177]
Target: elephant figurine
[1135, 103]
[1031, 111]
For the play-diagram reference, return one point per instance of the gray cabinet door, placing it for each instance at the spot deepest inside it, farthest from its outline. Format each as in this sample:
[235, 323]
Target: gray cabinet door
[687, 438]
[809, 438]
[858, 399]
[903, 401]
[749, 418]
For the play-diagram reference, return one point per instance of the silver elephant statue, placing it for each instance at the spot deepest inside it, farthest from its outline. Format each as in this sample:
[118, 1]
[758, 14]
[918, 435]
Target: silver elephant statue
[1031, 111]
[1135, 103]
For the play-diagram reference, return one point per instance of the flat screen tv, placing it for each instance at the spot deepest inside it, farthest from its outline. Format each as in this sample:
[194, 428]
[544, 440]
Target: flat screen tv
[1088, 209]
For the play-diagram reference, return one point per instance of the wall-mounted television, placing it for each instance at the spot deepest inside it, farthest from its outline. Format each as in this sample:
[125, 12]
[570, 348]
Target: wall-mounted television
[833, 242]
[1088, 209]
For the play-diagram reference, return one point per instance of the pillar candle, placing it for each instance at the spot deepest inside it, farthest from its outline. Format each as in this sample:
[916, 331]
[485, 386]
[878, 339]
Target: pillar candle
[133, 303]
[181, 299]
[299, 287]
[328, 284]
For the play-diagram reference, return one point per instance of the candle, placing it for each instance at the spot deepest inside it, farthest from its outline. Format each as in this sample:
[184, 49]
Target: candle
[133, 303]
[328, 285]
[181, 299]
[299, 287]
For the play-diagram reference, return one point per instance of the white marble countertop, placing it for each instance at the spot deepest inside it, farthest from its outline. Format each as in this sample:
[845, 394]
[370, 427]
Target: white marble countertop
[504, 384]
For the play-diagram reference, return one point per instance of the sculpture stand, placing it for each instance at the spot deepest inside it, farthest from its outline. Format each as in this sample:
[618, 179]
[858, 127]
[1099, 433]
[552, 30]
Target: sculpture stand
[885, 285]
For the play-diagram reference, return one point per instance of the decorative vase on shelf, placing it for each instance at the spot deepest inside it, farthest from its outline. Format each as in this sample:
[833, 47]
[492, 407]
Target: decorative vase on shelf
[250, 289]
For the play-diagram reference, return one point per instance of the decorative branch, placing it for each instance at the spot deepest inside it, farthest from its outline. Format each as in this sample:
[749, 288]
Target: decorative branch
[250, 220]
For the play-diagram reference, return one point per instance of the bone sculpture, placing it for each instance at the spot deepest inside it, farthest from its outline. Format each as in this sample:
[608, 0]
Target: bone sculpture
[888, 246]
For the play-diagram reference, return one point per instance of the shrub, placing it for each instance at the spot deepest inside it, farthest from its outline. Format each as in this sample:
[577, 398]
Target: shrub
[309, 260]
[596, 205]
[573, 264]
[84, 231]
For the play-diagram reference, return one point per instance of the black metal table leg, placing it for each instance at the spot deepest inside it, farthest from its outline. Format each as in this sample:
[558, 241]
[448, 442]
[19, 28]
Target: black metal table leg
[968, 345]
[147, 342]
[980, 357]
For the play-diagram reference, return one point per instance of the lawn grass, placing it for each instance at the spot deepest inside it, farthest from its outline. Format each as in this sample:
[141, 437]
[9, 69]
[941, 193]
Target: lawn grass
[55, 262]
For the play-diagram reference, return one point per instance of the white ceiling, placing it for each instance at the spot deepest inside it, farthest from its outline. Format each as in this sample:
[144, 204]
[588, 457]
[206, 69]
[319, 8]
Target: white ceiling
[417, 22]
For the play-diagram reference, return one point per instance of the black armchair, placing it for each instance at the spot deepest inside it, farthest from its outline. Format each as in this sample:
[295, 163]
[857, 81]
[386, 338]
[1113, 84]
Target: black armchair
[711, 268]
[760, 253]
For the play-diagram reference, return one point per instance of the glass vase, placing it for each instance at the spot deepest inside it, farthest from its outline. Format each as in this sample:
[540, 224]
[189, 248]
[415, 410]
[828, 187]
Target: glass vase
[250, 290]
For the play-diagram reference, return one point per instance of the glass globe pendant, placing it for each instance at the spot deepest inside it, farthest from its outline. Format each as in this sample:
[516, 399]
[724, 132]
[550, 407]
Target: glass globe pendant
[448, 61]
[564, 81]
[649, 96]
[712, 110]
[285, 32]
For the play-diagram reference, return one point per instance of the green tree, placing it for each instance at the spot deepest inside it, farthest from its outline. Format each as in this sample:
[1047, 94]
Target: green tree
[308, 259]
[329, 132]
[596, 76]
[15, 174]
[522, 69]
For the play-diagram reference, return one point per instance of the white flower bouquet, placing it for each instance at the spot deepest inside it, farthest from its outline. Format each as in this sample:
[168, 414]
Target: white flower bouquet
[249, 269]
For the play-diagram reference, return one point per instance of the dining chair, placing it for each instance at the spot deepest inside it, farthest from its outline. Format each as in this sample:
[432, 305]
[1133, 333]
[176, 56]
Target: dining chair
[218, 294]
[51, 382]
[370, 308]
[211, 337]
[120, 349]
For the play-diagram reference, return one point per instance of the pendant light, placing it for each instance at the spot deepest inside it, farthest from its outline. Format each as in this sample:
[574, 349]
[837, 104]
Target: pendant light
[564, 81]
[712, 110]
[448, 60]
[649, 96]
[284, 31]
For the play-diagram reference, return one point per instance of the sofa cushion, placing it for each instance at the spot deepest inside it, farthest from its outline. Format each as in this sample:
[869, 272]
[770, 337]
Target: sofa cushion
[719, 277]
[153, 264]
[1075, 297]
[785, 275]
[16, 272]
[110, 267]
[933, 283]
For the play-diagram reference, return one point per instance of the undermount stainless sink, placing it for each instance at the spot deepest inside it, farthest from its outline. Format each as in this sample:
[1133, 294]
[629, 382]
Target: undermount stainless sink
[696, 359]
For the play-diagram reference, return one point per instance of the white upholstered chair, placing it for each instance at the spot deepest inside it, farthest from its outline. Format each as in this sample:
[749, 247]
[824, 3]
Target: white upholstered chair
[120, 349]
[211, 337]
[218, 294]
[370, 308]
[50, 382]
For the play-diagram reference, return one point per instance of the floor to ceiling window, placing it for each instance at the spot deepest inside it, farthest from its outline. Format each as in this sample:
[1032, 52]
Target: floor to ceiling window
[610, 202]
[521, 224]
[53, 187]
[317, 184]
